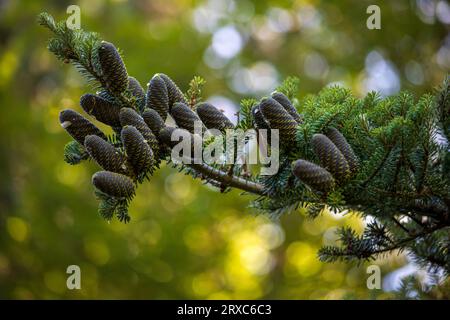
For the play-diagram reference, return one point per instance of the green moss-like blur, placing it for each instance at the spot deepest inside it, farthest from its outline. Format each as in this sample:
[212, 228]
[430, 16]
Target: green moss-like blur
[185, 239]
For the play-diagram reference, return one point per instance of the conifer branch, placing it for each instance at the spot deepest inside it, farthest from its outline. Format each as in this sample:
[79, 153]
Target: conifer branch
[387, 159]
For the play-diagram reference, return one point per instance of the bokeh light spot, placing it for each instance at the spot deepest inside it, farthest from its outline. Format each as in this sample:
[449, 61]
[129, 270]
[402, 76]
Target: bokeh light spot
[227, 42]
[97, 251]
[17, 228]
[303, 258]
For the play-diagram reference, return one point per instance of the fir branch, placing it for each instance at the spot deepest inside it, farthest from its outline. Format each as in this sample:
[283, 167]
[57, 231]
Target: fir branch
[399, 164]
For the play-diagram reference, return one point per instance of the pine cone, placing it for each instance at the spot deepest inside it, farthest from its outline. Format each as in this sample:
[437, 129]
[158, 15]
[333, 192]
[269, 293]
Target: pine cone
[114, 184]
[157, 96]
[101, 109]
[213, 118]
[330, 157]
[166, 138]
[313, 175]
[153, 121]
[258, 118]
[341, 143]
[287, 105]
[278, 118]
[174, 93]
[129, 117]
[136, 89]
[113, 69]
[105, 154]
[184, 117]
[78, 126]
[139, 154]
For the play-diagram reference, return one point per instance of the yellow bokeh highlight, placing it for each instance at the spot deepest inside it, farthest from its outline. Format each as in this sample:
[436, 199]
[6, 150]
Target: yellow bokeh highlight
[198, 240]
[179, 188]
[8, 65]
[204, 284]
[302, 258]
[313, 226]
[252, 251]
[333, 276]
[55, 281]
[17, 229]
[70, 175]
[97, 251]
[221, 295]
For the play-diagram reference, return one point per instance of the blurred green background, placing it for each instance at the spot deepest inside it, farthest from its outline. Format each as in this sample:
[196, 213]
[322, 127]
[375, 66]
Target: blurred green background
[186, 240]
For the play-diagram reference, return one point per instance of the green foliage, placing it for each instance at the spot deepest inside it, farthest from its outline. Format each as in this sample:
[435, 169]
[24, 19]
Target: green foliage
[290, 87]
[245, 114]
[402, 182]
[111, 206]
[74, 46]
[74, 153]
[194, 93]
[412, 288]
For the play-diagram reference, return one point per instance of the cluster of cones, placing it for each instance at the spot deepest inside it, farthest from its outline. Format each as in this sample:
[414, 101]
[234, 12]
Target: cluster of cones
[139, 120]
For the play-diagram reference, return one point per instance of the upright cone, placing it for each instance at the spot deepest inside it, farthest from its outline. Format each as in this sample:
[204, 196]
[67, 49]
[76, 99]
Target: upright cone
[185, 117]
[180, 135]
[113, 69]
[341, 143]
[174, 93]
[166, 136]
[153, 121]
[139, 153]
[157, 96]
[114, 184]
[136, 89]
[330, 157]
[287, 105]
[105, 154]
[101, 109]
[313, 175]
[78, 126]
[213, 118]
[278, 118]
[129, 117]
[258, 118]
